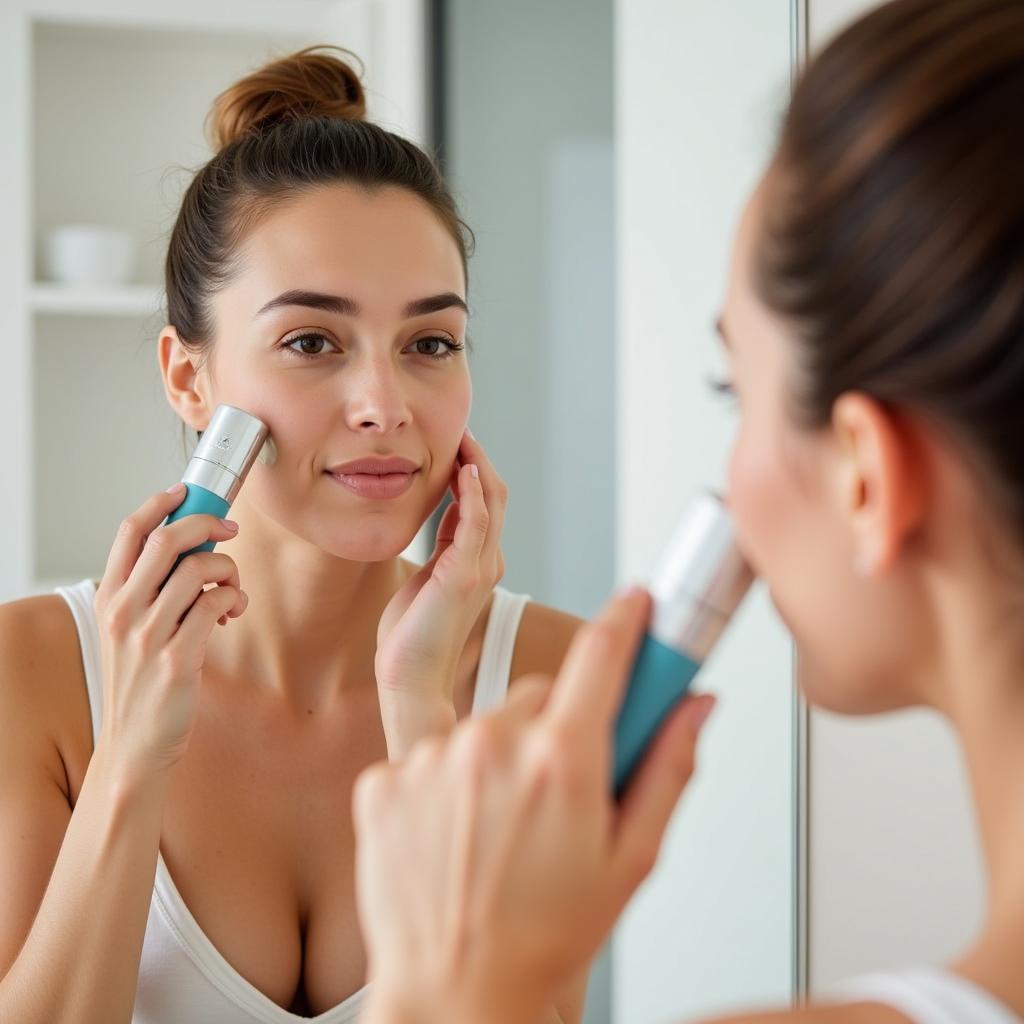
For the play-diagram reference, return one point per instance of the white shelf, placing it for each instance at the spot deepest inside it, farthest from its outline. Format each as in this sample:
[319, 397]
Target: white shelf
[96, 300]
[92, 79]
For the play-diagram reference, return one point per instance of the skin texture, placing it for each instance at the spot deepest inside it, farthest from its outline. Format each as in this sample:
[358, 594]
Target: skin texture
[876, 518]
[233, 748]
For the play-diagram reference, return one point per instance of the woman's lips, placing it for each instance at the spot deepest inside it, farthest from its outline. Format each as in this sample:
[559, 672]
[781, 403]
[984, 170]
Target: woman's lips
[376, 485]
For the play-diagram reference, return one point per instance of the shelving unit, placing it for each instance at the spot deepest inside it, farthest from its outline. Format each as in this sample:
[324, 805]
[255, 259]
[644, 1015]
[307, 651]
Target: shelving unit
[104, 103]
[121, 300]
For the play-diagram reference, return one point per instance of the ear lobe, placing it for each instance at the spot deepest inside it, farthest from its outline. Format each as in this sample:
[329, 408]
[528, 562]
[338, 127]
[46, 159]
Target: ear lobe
[885, 492]
[181, 380]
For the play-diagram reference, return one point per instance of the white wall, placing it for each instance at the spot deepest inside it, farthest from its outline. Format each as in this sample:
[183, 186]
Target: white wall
[700, 88]
[529, 105]
[579, 459]
[895, 864]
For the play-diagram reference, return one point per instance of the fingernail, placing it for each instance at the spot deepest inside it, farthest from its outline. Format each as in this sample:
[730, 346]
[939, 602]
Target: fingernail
[471, 434]
[174, 488]
[628, 591]
[245, 599]
[475, 470]
[230, 524]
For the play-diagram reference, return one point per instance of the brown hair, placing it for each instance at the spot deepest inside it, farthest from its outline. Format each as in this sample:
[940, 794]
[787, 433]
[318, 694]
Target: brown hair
[893, 237]
[291, 126]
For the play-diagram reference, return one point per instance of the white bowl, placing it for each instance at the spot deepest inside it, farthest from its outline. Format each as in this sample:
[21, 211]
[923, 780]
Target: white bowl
[89, 254]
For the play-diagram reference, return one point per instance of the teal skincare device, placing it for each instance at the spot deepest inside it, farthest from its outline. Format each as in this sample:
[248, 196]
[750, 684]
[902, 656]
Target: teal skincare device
[698, 584]
[224, 455]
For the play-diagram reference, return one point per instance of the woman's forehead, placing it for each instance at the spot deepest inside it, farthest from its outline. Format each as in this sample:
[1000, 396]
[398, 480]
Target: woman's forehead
[355, 243]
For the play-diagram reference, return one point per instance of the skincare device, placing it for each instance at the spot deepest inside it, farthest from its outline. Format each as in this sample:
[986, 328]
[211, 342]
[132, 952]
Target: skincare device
[699, 582]
[222, 458]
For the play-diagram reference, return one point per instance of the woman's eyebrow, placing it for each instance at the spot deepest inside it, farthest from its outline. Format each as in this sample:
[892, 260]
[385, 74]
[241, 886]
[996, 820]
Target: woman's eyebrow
[349, 307]
[435, 303]
[314, 300]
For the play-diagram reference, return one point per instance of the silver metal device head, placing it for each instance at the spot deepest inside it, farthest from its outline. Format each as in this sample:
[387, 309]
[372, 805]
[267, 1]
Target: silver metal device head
[700, 581]
[226, 451]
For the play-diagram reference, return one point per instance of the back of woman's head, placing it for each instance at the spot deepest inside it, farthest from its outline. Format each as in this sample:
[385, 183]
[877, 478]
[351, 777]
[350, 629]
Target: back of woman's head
[294, 125]
[893, 234]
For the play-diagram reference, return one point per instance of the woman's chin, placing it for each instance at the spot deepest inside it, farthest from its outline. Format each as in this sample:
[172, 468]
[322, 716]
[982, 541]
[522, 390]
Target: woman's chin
[376, 544]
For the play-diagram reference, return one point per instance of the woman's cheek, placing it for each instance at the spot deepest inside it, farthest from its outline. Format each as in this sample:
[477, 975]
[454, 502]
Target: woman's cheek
[745, 502]
[445, 419]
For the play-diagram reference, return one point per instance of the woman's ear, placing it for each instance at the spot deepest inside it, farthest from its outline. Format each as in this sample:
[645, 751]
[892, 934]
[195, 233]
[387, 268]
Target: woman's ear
[184, 386]
[882, 486]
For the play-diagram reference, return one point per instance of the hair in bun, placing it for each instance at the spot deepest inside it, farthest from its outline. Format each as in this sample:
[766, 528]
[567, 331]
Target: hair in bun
[289, 127]
[309, 83]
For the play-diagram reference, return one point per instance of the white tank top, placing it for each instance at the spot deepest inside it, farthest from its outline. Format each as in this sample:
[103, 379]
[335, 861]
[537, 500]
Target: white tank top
[927, 995]
[183, 979]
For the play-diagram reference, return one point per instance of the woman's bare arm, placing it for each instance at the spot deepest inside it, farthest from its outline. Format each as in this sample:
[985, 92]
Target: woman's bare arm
[75, 885]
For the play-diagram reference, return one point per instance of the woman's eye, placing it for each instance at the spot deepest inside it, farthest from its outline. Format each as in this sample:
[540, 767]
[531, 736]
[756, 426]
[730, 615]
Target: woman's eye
[310, 345]
[315, 346]
[436, 348]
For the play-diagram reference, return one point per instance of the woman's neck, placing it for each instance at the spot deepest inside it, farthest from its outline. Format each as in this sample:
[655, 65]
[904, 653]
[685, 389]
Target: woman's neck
[310, 629]
[990, 724]
[979, 685]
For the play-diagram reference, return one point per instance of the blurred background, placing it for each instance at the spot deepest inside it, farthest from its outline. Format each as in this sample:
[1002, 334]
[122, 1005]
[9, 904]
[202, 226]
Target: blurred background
[600, 150]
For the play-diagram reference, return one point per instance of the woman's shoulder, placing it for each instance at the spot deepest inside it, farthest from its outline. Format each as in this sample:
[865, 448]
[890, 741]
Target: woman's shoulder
[38, 644]
[838, 1013]
[543, 639]
[43, 699]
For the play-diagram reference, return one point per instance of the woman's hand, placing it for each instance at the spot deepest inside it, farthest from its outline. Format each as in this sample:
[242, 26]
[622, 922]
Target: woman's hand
[425, 626]
[490, 867]
[152, 638]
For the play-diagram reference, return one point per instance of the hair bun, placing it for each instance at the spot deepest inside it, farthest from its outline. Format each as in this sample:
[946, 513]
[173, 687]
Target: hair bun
[309, 83]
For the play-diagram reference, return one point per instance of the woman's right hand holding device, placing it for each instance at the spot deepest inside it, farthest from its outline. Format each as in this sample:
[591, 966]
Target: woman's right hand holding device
[154, 633]
[73, 932]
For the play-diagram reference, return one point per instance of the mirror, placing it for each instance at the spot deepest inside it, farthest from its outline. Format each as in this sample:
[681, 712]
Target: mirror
[600, 152]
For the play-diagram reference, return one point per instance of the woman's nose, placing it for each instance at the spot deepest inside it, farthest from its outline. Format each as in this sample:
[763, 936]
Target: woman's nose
[375, 399]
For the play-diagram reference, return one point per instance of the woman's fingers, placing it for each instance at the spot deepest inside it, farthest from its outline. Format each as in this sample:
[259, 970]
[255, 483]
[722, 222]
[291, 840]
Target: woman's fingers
[474, 519]
[453, 478]
[207, 609]
[653, 792]
[194, 573]
[526, 697]
[132, 534]
[446, 528]
[443, 541]
[472, 524]
[593, 679]
[495, 492]
[165, 544]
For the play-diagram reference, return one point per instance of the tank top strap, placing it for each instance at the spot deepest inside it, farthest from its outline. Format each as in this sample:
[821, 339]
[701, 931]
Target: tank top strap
[927, 995]
[492, 676]
[81, 599]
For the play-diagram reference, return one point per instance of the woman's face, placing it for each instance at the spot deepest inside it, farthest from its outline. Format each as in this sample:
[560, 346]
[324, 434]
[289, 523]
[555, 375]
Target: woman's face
[344, 331]
[792, 498]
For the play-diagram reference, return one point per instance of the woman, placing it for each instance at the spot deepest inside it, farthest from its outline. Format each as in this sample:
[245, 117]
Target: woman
[175, 833]
[874, 325]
